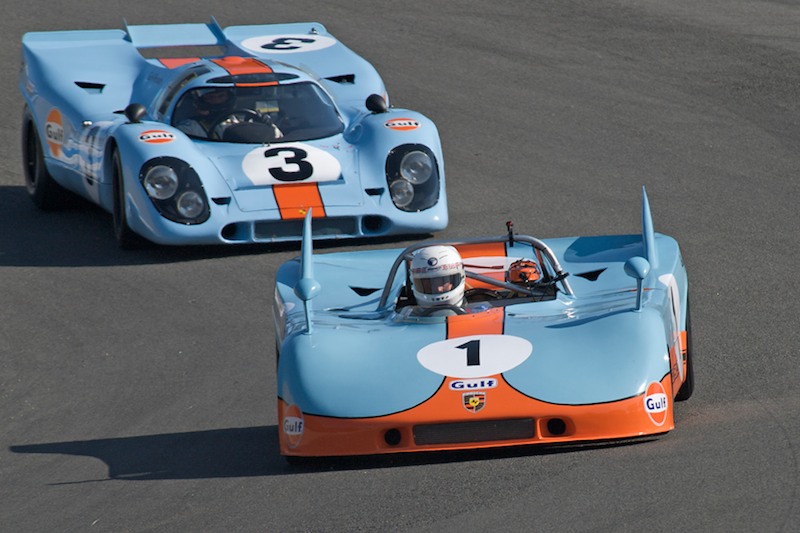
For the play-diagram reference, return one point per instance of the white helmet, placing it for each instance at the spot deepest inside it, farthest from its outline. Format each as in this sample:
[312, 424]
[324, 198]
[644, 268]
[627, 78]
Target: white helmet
[437, 274]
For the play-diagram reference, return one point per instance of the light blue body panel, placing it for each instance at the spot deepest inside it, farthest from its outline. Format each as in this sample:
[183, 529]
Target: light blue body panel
[590, 347]
[329, 62]
[77, 83]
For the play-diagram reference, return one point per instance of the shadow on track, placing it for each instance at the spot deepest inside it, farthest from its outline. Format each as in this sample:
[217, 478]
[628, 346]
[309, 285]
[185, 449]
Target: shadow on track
[80, 234]
[249, 451]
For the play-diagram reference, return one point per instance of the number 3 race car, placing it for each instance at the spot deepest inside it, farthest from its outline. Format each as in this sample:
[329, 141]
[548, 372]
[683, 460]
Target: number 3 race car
[191, 134]
[549, 358]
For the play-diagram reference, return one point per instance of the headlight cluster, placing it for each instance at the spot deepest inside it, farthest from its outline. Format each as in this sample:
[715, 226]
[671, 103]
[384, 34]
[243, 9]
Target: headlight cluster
[413, 177]
[175, 190]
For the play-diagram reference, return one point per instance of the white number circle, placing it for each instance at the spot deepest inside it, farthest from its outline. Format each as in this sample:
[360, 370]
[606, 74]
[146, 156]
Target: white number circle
[475, 356]
[290, 163]
[288, 44]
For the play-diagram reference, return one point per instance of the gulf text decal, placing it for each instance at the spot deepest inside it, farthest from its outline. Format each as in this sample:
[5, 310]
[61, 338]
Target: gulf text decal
[156, 137]
[466, 384]
[402, 124]
[293, 425]
[656, 403]
[54, 132]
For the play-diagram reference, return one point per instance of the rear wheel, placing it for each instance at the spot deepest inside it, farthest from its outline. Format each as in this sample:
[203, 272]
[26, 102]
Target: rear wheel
[42, 189]
[685, 392]
[126, 238]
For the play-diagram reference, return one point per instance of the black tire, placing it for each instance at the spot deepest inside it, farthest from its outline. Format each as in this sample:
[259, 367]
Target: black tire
[686, 390]
[45, 193]
[296, 461]
[126, 238]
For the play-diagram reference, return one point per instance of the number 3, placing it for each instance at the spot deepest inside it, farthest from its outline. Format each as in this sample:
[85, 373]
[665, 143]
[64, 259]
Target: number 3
[287, 43]
[293, 167]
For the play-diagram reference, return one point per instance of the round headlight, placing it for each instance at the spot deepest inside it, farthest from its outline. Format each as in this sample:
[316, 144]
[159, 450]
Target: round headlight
[161, 182]
[416, 167]
[402, 193]
[190, 204]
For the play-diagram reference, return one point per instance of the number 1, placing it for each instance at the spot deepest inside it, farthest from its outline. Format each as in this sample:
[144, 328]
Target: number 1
[473, 352]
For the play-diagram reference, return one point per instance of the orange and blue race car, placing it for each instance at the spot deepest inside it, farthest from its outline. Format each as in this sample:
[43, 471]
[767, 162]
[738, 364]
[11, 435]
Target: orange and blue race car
[195, 134]
[553, 341]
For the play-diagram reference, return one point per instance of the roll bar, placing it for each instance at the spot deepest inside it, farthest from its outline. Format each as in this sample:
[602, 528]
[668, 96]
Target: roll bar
[558, 274]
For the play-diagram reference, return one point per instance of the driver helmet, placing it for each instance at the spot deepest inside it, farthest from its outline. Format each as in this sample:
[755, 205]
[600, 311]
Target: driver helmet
[214, 100]
[438, 278]
[523, 272]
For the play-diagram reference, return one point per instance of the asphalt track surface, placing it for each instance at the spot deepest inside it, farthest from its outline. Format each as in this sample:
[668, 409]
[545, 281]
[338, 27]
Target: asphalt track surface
[137, 389]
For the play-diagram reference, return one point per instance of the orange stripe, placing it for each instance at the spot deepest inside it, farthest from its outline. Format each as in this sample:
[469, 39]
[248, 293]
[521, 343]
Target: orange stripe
[236, 65]
[295, 199]
[491, 249]
[259, 84]
[489, 322]
[176, 62]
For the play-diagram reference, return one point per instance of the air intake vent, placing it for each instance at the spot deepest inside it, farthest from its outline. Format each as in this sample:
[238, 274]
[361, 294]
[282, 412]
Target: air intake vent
[478, 431]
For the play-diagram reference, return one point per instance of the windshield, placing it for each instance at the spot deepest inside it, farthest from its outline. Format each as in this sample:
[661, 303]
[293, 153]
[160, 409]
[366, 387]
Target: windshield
[273, 113]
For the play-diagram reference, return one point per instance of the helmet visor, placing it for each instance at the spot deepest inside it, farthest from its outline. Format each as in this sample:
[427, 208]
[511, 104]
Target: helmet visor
[438, 284]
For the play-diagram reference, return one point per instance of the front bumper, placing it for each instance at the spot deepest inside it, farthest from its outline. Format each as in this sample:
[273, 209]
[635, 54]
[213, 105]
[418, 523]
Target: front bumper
[441, 423]
[229, 225]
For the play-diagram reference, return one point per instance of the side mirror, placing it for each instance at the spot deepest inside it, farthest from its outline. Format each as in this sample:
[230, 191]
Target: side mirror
[638, 268]
[376, 104]
[135, 113]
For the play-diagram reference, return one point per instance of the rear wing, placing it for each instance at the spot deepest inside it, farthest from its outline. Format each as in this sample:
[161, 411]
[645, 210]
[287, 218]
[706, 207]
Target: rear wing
[164, 35]
[111, 60]
[305, 45]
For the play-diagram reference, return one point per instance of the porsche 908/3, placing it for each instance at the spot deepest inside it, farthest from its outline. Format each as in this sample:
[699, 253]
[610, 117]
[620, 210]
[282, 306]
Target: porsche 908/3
[481, 343]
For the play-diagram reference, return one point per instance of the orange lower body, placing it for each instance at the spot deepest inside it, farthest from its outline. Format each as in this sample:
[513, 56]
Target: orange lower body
[496, 417]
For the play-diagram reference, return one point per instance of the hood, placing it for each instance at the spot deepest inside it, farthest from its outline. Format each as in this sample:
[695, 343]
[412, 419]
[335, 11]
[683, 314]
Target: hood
[606, 357]
[252, 171]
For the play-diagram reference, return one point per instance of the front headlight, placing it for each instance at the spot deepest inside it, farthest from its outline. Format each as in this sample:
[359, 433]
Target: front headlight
[402, 193]
[160, 182]
[416, 167]
[190, 204]
[413, 177]
[175, 190]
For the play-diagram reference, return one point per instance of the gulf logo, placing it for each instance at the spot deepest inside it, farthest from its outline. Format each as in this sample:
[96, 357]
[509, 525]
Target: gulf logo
[655, 403]
[54, 132]
[293, 425]
[156, 137]
[402, 124]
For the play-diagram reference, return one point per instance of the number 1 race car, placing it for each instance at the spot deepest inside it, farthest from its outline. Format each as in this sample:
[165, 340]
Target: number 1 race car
[191, 134]
[539, 359]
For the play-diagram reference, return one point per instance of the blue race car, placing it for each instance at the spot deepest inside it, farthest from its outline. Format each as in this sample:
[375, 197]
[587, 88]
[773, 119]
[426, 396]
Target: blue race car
[194, 134]
[481, 343]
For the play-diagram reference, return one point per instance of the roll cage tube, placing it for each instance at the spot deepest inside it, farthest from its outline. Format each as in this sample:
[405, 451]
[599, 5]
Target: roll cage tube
[543, 253]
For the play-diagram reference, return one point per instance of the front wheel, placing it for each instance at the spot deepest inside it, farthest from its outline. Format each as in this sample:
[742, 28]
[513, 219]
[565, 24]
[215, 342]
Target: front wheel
[45, 193]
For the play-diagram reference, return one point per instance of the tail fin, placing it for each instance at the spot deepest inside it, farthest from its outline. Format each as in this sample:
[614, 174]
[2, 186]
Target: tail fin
[648, 235]
[307, 287]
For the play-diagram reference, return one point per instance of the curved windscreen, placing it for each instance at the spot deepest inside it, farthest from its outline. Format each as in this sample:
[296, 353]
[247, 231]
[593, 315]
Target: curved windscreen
[272, 113]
